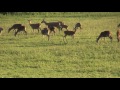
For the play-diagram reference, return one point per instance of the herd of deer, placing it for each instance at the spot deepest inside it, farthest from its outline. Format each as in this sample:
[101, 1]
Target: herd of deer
[59, 25]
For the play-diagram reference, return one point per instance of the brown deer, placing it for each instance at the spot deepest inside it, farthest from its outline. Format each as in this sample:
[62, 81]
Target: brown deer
[77, 25]
[61, 26]
[104, 34]
[69, 33]
[118, 35]
[34, 26]
[52, 29]
[54, 24]
[1, 29]
[14, 27]
[45, 31]
[21, 28]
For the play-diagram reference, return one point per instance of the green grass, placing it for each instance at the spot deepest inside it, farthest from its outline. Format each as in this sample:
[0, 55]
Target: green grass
[32, 56]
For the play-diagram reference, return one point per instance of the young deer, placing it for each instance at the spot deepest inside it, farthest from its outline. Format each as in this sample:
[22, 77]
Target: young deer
[14, 27]
[63, 26]
[1, 29]
[34, 26]
[21, 28]
[118, 35]
[46, 32]
[69, 33]
[104, 34]
[54, 24]
[77, 25]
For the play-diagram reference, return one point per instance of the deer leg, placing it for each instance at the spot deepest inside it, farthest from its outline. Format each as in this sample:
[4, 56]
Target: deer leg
[38, 30]
[48, 37]
[98, 39]
[110, 38]
[54, 32]
[25, 32]
[104, 39]
[73, 36]
[64, 37]
[16, 33]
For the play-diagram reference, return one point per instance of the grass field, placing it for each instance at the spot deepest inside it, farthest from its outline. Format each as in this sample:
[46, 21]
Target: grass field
[33, 56]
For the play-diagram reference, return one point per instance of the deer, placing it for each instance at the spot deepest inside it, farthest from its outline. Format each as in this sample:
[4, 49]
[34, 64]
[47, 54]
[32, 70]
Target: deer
[52, 29]
[45, 31]
[61, 26]
[54, 24]
[105, 34]
[21, 28]
[118, 35]
[14, 27]
[77, 25]
[69, 33]
[34, 26]
[1, 29]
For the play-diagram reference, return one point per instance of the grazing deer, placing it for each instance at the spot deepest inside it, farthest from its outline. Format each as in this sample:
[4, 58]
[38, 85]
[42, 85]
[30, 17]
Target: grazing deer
[118, 35]
[69, 33]
[21, 28]
[34, 26]
[104, 34]
[14, 27]
[77, 25]
[54, 24]
[46, 32]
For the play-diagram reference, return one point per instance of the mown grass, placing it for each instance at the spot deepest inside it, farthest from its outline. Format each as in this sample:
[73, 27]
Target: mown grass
[33, 56]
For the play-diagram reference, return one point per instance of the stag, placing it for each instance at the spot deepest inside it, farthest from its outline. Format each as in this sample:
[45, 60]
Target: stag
[34, 26]
[104, 34]
[54, 24]
[14, 27]
[21, 28]
[77, 25]
[118, 35]
[1, 29]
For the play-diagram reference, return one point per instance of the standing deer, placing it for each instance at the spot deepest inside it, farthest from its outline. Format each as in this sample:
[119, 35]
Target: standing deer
[104, 34]
[21, 28]
[46, 32]
[52, 29]
[14, 27]
[34, 26]
[69, 33]
[118, 35]
[61, 26]
[77, 25]
[54, 24]
[1, 29]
